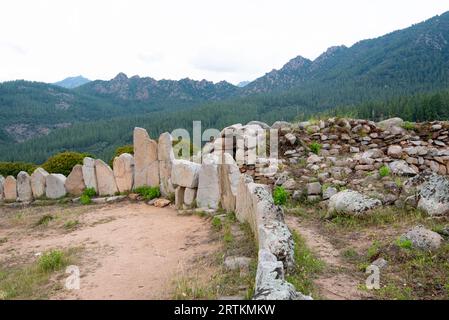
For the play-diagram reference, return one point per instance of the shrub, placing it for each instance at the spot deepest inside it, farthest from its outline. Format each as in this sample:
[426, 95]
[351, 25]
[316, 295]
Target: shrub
[90, 192]
[408, 126]
[216, 223]
[148, 193]
[52, 261]
[315, 147]
[85, 199]
[404, 243]
[280, 196]
[384, 171]
[13, 168]
[64, 162]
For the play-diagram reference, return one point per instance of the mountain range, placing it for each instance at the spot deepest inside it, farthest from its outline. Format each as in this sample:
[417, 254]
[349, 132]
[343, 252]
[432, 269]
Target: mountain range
[401, 63]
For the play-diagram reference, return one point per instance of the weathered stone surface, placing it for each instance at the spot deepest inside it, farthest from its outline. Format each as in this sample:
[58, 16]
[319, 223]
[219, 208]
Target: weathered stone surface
[208, 195]
[161, 203]
[124, 172]
[89, 176]
[38, 182]
[24, 192]
[74, 183]
[105, 179]
[166, 157]
[145, 159]
[400, 167]
[390, 123]
[179, 197]
[2, 181]
[434, 195]
[185, 173]
[189, 197]
[351, 202]
[291, 138]
[281, 125]
[395, 151]
[423, 238]
[237, 263]
[270, 283]
[229, 179]
[10, 188]
[329, 192]
[55, 186]
[313, 188]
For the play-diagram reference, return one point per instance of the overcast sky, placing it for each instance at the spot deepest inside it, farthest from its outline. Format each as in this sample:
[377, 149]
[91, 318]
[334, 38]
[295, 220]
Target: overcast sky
[231, 40]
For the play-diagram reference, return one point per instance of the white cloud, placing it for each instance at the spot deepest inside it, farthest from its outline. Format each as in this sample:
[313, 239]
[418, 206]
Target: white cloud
[232, 40]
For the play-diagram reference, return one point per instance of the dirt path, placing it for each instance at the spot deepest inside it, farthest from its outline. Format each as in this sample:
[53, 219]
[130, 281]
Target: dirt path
[337, 281]
[130, 251]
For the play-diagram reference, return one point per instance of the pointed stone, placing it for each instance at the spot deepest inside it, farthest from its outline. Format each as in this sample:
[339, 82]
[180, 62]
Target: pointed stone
[105, 179]
[124, 172]
[55, 186]
[89, 176]
[229, 181]
[208, 194]
[10, 188]
[38, 182]
[75, 182]
[145, 159]
[24, 192]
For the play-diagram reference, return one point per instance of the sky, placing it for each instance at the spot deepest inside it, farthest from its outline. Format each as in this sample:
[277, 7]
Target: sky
[232, 40]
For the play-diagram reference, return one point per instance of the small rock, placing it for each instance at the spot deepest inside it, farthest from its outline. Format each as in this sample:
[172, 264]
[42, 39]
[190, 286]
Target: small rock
[161, 203]
[237, 263]
[314, 188]
[423, 238]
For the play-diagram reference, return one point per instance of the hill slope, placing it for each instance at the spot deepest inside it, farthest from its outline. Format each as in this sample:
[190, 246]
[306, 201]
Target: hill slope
[72, 82]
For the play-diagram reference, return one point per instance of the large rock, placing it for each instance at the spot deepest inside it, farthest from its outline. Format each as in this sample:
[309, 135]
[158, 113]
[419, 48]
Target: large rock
[105, 179]
[185, 173]
[390, 123]
[74, 183]
[166, 157]
[124, 172]
[24, 192]
[38, 182]
[351, 202]
[401, 168]
[89, 176]
[423, 238]
[10, 188]
[229, 180]
[55, 186]
[395, 151]
[2, 181]
[270, 282]
[434, 195]
[208, 194]
[146, 164]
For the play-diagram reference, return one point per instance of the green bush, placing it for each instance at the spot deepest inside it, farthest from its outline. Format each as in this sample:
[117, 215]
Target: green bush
[404, 243]
[280, 196]
[90, 192]
[384, 171]
[315, 147]
[52, 261]
[13, 168]
[148, 193]
[64, 162]
[408, 126]
[85, 199]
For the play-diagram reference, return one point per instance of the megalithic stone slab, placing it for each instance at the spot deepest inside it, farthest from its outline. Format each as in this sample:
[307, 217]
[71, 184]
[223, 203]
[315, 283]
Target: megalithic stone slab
[38, 182]
[105, 179]
[208, 194]
[166, 157]
[146, 165]
[55, 186]
[75, 182]
[229, 181]
[89, 176]
[10, 188]
[24, 192]
[185, 173]
[123, 168]
[2, 181]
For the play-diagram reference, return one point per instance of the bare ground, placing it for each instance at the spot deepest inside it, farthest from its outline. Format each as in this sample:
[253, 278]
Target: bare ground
[128, 250]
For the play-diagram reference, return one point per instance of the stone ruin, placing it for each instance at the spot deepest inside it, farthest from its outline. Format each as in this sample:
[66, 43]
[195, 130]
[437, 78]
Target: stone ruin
[238, 169]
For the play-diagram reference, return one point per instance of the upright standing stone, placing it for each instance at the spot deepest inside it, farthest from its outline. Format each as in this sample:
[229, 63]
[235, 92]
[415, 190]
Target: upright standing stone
[75, 182]
[166, 158]
[24, 192]
[55, 186]
[2, 181]
[124, 172]
[208, 194]
[189, 197]
[229, 181]
[89, 176]
[179, 197]
[38, 182]
[146, 170]
[105, 179]
[10, 188]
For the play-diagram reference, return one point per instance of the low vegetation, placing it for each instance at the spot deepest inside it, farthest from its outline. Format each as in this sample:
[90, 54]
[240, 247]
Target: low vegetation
[148, 193]
[280, 196]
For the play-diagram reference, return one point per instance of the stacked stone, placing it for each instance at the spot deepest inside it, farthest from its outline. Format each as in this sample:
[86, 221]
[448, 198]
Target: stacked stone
[184, 177]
